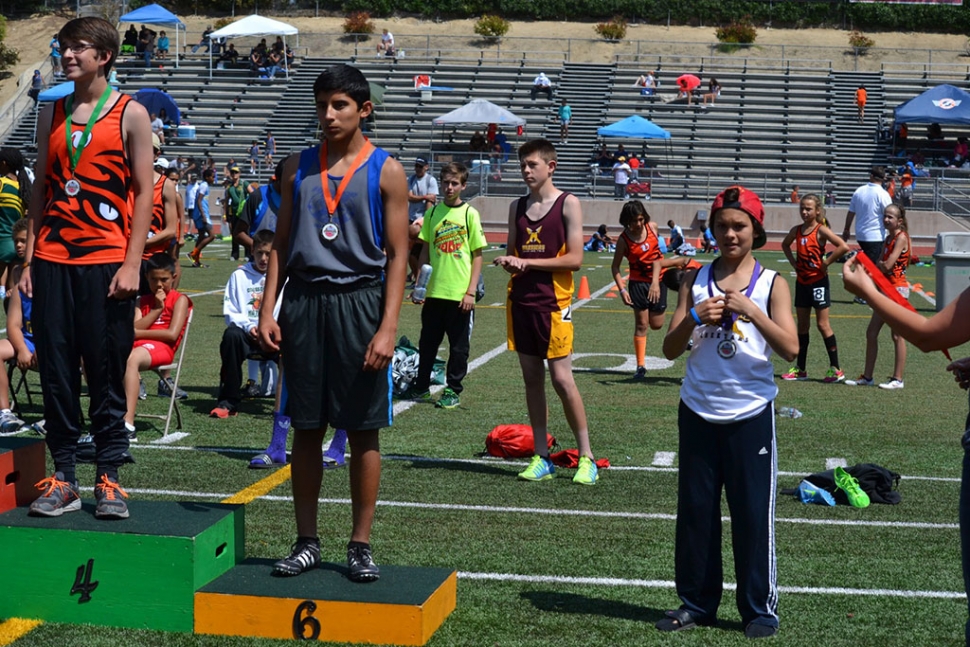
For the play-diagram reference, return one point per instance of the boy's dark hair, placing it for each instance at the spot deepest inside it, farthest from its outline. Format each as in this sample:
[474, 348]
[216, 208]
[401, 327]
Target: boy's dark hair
[343, 78]
[631, 210]
[543, 147]
[19, 226]
[97, 31]
[208, 173]
[263, 237]
[160, 261]
[457, 169]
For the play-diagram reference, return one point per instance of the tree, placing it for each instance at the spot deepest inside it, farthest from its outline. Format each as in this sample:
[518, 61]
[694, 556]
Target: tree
[8, 56]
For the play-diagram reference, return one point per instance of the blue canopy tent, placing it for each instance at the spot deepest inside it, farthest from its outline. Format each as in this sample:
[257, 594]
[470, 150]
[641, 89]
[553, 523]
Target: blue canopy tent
[944, 104]
[154, 14]
[156, 100]
[55, 92]
[636, 127]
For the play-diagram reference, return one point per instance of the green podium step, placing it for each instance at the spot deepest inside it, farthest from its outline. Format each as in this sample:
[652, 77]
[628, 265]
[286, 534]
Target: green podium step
[404, 607]
[21, 466]
[141, 572]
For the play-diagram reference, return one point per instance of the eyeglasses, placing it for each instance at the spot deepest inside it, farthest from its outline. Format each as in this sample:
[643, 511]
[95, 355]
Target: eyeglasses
[77, 48]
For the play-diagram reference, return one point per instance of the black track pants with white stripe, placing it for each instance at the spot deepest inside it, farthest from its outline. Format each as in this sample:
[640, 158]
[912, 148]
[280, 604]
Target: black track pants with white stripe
[741, 457]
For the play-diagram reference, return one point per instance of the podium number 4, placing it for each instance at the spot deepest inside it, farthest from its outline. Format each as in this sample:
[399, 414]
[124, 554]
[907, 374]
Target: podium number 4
[83, 583]
[300, 624]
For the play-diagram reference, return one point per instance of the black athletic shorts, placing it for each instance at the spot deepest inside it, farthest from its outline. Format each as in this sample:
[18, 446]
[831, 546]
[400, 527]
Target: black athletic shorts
[639, 290]
[326, 330]
[813, 295]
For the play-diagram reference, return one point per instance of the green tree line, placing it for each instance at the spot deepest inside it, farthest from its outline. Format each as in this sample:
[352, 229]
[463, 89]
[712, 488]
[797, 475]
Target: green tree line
[800, 13]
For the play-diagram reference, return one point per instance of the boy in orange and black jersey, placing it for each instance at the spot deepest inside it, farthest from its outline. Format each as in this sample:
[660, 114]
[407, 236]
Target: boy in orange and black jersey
[89, 219]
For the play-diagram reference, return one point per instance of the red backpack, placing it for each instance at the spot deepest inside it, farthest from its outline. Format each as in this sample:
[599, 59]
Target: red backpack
[513, 441]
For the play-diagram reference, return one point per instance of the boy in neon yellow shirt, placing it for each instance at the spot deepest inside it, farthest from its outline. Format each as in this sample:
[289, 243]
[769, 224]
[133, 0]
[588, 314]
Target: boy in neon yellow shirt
[453, 237]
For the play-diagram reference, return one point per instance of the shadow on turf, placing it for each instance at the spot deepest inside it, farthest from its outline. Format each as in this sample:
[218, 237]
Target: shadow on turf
[423, 462]
[557, 602]
[652, 381]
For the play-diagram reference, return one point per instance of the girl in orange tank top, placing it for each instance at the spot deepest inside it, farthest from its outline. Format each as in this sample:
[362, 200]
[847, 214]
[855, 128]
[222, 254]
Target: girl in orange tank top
[812, 289]
[644, 293]
[895, 258]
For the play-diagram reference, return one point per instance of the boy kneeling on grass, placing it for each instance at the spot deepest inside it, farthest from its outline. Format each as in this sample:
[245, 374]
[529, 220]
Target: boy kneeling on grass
[19, 344]
[454, 231]
[244, 294]
[160, 320]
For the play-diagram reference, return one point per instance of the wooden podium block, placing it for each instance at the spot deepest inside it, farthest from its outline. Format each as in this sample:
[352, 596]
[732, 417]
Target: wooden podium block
[141, 572]
[404, 607]
[21, 466]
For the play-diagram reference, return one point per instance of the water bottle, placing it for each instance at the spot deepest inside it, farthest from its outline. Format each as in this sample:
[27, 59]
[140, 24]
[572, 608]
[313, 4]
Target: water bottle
[421, 285]
[789, 412]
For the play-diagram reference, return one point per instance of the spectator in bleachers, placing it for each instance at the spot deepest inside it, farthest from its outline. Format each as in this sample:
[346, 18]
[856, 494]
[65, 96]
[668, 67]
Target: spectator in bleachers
[274, 63]
[386, 45]
[161, 48]
[37, 85]
[565, 116]
[158, 128]
[621, 152]
[860, 101]
[960, 152]
[205, 41]
[713, 92]
[253, 157]
[542, 84]
[603, 159]
[130, 40]
[478, 143]
[647, 83]
[146, 41]
[229, 55]
[634, 167]
[621, 177]
[278, 45]
[55, 46]
[795, 198]
[166, 120]
[289, 57]
[934, 132]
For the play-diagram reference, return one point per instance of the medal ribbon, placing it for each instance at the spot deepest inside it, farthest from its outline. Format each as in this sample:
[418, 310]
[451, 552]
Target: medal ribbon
[729, 319]
[74, 154]
[334, 200]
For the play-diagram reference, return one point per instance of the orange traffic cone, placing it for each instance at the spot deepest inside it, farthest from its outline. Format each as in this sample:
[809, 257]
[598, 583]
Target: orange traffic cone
[583, 289]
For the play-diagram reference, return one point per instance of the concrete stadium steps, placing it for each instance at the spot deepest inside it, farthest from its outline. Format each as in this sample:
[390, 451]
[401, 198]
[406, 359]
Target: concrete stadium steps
[857, 150]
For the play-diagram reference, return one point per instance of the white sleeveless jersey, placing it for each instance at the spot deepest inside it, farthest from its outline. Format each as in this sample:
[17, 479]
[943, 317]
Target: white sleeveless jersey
[729, 372]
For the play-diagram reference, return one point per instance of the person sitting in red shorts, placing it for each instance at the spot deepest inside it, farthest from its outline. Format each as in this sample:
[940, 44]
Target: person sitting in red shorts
[159, 325]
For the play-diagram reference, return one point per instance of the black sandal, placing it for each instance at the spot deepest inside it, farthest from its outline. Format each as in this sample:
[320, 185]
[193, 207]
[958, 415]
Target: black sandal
[677, 620]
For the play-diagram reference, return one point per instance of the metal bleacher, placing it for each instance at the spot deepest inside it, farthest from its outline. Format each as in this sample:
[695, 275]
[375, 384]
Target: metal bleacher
[773, 126]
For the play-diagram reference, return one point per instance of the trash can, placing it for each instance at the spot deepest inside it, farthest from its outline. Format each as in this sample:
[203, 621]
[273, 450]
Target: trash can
[701, 220]
[952, 258]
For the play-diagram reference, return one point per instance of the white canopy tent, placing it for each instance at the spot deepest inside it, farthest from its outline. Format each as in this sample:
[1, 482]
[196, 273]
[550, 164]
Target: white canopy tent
[252, 26]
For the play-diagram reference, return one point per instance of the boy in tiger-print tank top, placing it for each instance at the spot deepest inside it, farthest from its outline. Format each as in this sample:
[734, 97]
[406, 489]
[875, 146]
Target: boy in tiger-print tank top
[89, 220]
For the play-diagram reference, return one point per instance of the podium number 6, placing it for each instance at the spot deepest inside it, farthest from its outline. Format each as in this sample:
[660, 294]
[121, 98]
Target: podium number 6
[300, 624]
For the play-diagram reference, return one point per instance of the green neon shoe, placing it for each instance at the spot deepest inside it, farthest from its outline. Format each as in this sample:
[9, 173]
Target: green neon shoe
[448, 400]
[588, 473]
[540, 469]
[850, 485]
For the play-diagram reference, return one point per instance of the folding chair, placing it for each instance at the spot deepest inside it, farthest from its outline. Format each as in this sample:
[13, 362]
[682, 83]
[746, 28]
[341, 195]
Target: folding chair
[20, 385]
[173, 404]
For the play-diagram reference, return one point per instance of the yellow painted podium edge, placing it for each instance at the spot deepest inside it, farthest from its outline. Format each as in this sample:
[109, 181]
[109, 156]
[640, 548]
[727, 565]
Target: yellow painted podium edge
[226, 614]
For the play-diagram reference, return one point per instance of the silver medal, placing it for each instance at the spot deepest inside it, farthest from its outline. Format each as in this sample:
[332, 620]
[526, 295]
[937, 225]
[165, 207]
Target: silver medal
[72, 187]
[329, 231]
[727, 349]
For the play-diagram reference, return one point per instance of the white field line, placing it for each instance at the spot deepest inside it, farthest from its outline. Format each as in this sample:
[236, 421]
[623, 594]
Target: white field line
[552, 512]
[728, 586]
[493, 461]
